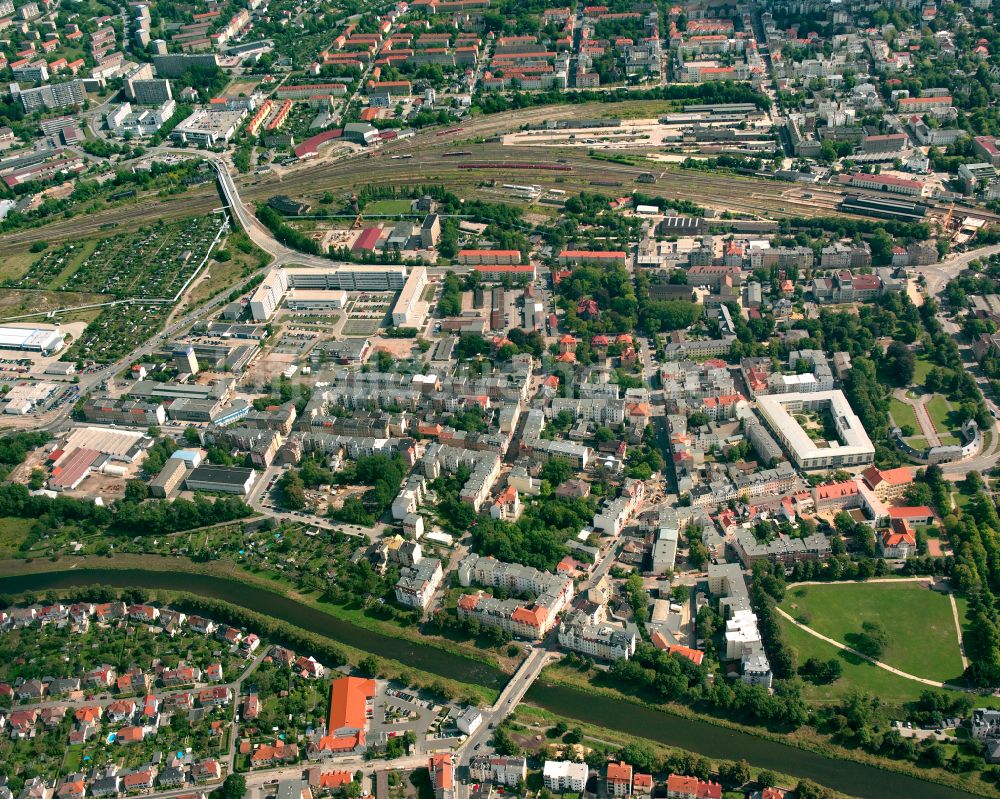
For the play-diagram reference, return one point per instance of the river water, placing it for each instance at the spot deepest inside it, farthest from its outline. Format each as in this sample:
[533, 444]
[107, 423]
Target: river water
[700, 737]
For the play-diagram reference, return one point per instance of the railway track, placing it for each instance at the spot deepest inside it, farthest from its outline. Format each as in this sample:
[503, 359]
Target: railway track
[145, 211]
[744, 195]
[434, 158]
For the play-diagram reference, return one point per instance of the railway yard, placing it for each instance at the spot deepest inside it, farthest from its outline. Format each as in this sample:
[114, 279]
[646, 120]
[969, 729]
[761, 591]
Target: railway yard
[464, 159]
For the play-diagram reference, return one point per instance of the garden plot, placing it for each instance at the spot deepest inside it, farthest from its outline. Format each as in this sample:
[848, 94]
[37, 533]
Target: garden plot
[151, 263]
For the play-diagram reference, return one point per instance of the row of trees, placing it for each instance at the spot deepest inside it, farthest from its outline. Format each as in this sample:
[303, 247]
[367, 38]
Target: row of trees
[721, 92]
[152, 517]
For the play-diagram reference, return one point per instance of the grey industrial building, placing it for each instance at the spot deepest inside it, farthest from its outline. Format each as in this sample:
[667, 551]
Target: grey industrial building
[169, 479]
[222, 479]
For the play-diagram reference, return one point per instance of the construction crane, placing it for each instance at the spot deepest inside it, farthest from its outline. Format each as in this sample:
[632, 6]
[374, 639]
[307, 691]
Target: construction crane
[357, 207]
[947, 216]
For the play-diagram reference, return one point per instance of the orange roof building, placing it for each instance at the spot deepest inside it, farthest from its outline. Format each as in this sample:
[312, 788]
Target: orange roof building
[642, 784]
[916, 514]
[694, 655]
[442, 775]
[348, 720]
[888, 484]
[619, 779]
[682, 787]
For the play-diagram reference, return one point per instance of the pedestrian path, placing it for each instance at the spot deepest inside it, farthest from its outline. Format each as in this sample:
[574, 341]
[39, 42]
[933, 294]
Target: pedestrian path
[873, 661]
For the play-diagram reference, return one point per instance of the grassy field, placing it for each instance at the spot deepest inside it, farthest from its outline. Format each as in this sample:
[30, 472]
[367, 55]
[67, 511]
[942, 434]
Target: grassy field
[388, 207]
[922, 368]
[857, 673]
[16, 264]
[12, 533]
[639, 109]
[917, 442]
[939, 409]
[222, 275]
[921, 631]
[15, 302]
[903, 415]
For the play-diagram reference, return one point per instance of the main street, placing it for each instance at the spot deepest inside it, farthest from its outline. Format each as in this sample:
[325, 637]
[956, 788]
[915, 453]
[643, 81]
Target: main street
[510, 696]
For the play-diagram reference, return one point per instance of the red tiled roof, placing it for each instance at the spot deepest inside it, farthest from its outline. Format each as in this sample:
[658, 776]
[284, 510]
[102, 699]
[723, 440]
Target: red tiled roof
[910, 512]
[349, 698]
[533, 617]
[592, 254]
[692, 786]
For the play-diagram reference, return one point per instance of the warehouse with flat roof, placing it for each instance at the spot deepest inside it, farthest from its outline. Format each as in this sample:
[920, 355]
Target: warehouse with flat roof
[221, 479]
[45, 340]
[119, 445]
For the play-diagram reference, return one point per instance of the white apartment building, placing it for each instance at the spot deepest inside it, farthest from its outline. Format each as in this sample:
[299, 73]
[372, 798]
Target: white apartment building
[418, 583]
[562, 775]
[601, 640]
[410, 309]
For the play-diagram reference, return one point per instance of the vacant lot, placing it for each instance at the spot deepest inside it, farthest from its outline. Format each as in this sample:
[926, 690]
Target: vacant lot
[920, 626]
[14, 303]
[13, 531]
[388, 207]
[360, 327]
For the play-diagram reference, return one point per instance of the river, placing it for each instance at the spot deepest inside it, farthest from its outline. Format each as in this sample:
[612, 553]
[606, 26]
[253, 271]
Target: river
[700, 737]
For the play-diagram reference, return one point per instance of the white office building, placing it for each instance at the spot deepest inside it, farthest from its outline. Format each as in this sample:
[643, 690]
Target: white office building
[854, 447]
[266, 299]
[410, 310]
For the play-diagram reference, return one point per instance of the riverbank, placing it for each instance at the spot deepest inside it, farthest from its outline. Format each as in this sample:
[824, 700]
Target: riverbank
[805, 739]
[698, 734]
[267, 581]
[385, 667]
[530, 721]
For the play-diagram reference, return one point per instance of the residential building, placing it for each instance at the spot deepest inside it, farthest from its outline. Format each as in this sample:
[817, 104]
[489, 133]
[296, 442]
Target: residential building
[442, 772]
[601, 640]
[619, 780]
[417, 583]
[681, 787]
[561, 776]
[51, 95]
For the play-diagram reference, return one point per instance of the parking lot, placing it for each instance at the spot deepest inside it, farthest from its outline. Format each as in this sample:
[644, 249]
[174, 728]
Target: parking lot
[397, 711]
